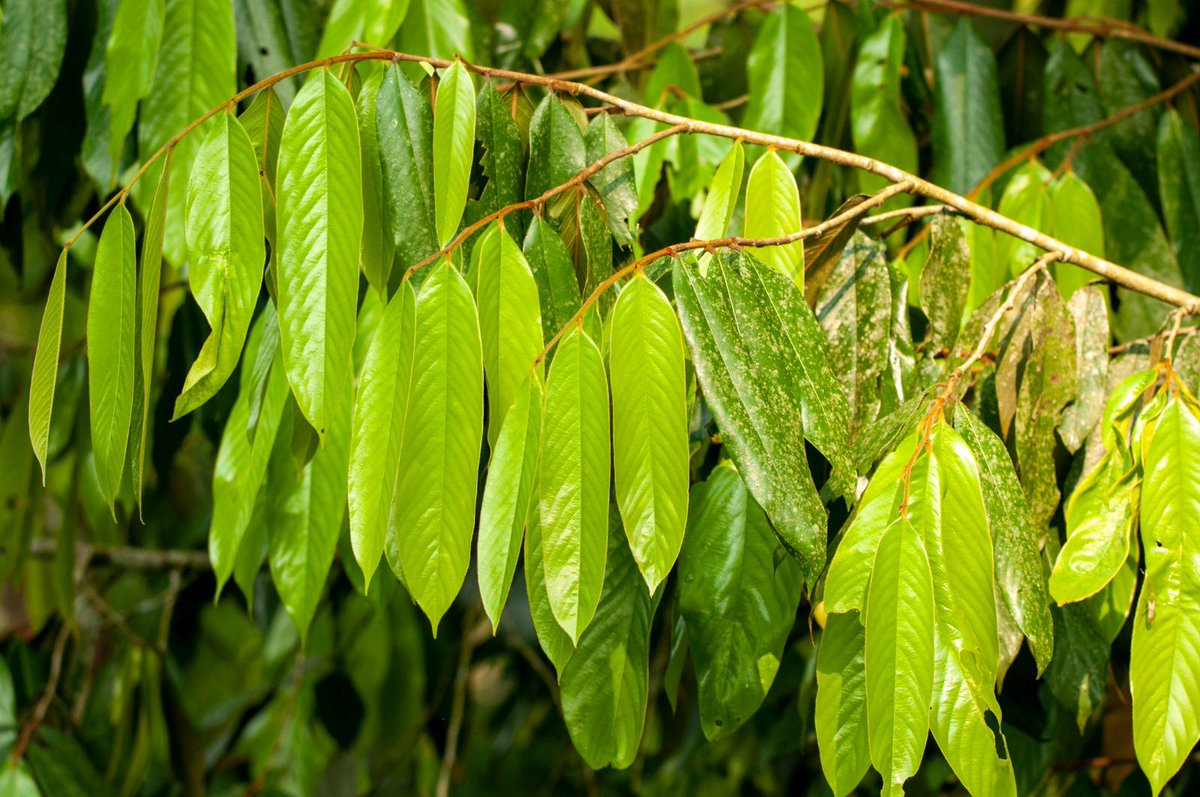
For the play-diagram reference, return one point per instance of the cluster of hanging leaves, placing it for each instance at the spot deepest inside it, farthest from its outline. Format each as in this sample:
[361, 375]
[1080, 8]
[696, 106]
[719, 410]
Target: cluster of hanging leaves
[658, 472]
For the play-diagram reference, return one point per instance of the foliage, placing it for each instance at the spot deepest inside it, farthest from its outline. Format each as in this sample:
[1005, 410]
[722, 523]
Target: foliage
[784, 459]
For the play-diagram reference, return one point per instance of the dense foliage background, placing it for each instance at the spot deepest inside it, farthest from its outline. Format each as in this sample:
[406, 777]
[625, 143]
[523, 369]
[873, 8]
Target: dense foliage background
[126, 670]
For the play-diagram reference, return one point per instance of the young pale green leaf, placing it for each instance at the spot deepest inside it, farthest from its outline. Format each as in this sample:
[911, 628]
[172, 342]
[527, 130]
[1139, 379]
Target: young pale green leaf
[554, 641]
[33, 38]
[196, 70]
[650, 426]
[510, 320]
[772, 210]
[404, 127]
[434, 506]
[737, 605]
[438, 28]
[876, 119]
[1017, 551]
[968, 125]
[574, 482]
[305, 514]
[371, 21]
[606, 682]
[558, 289]
[1077, 221]
[245, 450]
[722, 196]
[453, 148]
[1026, 200]
[556, 148]
[761, 361]
[226, 254]
[898, 655]
[786, 76]
[378, 246]
[45, 364]
[508, 495]
[674, 71]
[129, 61]
[377, 430]
[1100, 517]
[320, 214]
[1164, 669]
[263, 122]
[841, 710]
[111, 328]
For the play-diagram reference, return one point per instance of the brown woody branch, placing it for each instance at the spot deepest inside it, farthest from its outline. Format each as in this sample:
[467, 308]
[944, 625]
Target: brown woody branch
[128, 558]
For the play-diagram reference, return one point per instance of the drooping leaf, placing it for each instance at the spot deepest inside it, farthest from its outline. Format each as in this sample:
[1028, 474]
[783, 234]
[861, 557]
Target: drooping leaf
[786, 76]
[503, 158]
[226, 253]
[1077, 222]
[615, 182]
[378, 244]
[722, 196]
[404, 127]
[772, 210]
[738, 607]
[508, 496]
[371, 21]
[945, 283]
[556, 148]
[33, 39]
[554, 641]
[320, 215]
[45, 364]
[438, 28]
[510, 320]
[129, 62]
[841, 707]
[378, 427]
[453, 148]
[1089, 310]
[1025, 200]
[898, 655]
[111, 327]
[1164, 671]
[574, 482]
[434, 505]
[968, 127]
[650, 426]
[606, 682]
[1100, 517]
[558, 289]
[674, 73]
[1179, 187]
[877, 122]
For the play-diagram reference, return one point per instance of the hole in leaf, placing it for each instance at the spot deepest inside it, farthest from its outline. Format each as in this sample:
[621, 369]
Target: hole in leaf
[993, 724]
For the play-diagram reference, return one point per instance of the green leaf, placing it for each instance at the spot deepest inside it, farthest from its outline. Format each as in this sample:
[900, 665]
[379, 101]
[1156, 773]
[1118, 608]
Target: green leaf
[503, 158]
[320, 216]
[615, 182]
[15, 780]
[111, 327]
[371, 21]
[1077, 222]
[841, 710]
[606, 682]
[245, 450]
[1165, 661]
[722, 196]
[574, 482]
[377, 431]
[877, 122]
[786, 76]
[378, 245]
[33, 39]
[968, 126]
[898, 654]
[434, 514]
[761, 361]
[650, 426]
[558, 289]
[129, 62]
[1100, 516]
[510, 321]
[1020, 578]
[1089, 311]
[437, 28]
[196, 70]
[945, 283]
[772, 210]
[226, 254]
[552, 638]
[508, 497]
[45, 364]
[674, 71]
[738, 606]
[1179, 189]
[305, 513]
[453, 148]
[556, 148]
[404, 127]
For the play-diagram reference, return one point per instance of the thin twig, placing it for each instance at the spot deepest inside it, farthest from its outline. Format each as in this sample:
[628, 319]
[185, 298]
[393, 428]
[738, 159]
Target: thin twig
[128, 558]
[43, 704]
[475, 632]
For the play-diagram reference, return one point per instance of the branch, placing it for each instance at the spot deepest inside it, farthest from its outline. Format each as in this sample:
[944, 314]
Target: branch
[128, 558]
[43, 704]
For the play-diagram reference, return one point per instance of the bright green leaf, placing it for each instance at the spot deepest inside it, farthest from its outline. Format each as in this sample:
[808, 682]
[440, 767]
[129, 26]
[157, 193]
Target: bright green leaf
[45, 364]
[772, 210]
[453, 148]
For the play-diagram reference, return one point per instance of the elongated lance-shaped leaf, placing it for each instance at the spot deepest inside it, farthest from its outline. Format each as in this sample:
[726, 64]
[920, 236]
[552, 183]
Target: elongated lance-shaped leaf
[227, 252]
[772, 210]
[899, 654]
[378, 245]
[574, 482]
[968, 125]
[606, 682]
[453, 148]
[558, 289]
[510, 320]
[841, 708]
[738, 606]
[722, 196]
[434, 507]
[786, 76]
[45, 363]
[1164, 671]
[1077, 221]
[507, 496]
[650, 426]
[32, 40]
[319, 218]
[377, 429]
[245, 450]
[130, 58]
[553, 640]
[111, 326]
[877, 121]
[761, 361]
[404, 127]
[556, 148]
